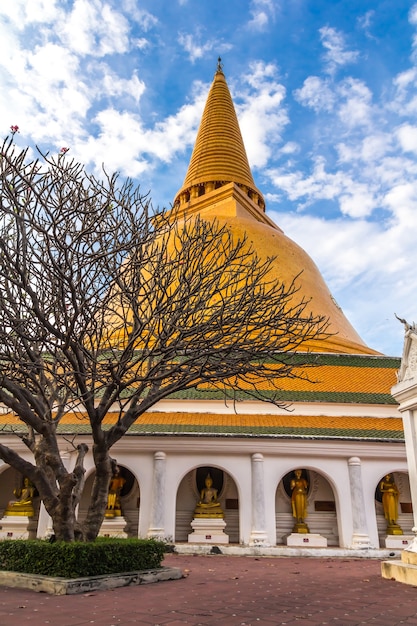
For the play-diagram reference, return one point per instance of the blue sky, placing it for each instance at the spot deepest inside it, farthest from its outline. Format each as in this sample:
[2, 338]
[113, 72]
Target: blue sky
[326, 95]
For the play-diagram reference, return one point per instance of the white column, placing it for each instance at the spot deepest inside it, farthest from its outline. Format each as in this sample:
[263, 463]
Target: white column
[410, 435]
[45, 529]
[157, 522]
[405, 392]
[258, 534]
[360, 537]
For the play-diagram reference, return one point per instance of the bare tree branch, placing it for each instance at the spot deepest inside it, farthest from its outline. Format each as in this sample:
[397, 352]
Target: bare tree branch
[106, 303]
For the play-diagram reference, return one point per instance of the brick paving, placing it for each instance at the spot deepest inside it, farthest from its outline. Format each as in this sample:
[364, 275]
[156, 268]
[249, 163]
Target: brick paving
[232, 591]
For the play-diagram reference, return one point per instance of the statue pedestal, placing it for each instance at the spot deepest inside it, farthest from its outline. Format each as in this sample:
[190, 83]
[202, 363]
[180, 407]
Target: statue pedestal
[18, 527]
[398, 542]
[113, 527]
[208, 530]
[306, 540]
[404, 571]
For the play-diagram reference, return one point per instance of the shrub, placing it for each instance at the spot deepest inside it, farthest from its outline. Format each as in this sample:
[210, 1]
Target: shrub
[78, 559]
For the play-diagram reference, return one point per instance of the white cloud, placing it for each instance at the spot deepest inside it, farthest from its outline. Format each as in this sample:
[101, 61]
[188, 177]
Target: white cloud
[371, 148]
[404, 102]
[120, 138]
[134, 149]
[54, 80]
[195, 50]
[52, 64]
[198, 50]
[336, 53]
[350, 99]
[404, 79]
[261, 114]
[319, 185]
[262, 12]
[94, 28]
[146, 20]
[176, 132]
[316, 94]
[358, 202]
[21, 13]
[365, 22]
[402, 201]
[362, 263]
[112, 85]
[356, 106]
[290, 148]
[413, 15]
[407, 136]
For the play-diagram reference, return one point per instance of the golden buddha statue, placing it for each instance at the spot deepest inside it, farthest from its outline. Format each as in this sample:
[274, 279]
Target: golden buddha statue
[114, 508]
[208, 505]
[24, 504]
[299, 487]
[390, 496]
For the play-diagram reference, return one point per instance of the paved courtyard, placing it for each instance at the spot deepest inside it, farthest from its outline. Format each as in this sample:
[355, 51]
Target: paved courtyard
[232, 591]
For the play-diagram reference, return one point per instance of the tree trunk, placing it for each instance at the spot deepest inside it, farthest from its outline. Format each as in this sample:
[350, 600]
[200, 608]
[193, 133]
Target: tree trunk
[99, 492]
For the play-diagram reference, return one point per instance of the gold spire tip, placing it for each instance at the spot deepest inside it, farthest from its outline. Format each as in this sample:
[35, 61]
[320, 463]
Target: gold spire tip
[219, 65]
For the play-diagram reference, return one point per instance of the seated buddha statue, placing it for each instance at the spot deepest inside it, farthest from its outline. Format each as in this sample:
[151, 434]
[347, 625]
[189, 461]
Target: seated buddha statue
[208, 505]
[23, 505]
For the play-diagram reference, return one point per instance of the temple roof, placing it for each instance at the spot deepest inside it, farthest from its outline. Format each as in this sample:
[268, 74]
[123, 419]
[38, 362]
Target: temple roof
[290, 426]
[348, 380]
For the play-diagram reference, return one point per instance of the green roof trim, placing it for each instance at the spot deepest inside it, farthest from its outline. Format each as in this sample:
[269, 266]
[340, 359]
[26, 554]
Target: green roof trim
[302, 432]
[290, 431]
[286, 396]
[343, 360]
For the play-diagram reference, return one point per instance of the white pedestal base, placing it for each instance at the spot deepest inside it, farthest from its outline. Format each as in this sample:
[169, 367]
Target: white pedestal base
[208, 530]
[398, 542]
[308, 540]
[156, 533]
[259, 538]
[113, 527]
[360, 542]
[18, 527]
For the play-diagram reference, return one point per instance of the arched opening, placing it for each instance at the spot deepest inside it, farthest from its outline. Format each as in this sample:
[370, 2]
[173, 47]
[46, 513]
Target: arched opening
[188, 494]
[403, 505]
[129, 501]
[19, 506]
[321, 507]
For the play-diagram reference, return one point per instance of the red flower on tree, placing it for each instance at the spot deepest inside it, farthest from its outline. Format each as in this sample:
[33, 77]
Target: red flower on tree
[14, 129]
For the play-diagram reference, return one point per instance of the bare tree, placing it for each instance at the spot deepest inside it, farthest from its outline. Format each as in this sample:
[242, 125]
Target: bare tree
[107, 306]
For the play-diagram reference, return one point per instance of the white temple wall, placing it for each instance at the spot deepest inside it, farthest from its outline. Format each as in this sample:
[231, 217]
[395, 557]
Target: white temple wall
[327, 462]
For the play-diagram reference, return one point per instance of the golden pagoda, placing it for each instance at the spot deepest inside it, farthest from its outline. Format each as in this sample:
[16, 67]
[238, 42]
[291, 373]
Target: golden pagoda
[219, 185]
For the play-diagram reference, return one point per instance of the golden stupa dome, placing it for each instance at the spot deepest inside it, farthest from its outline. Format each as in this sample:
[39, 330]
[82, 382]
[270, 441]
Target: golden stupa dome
[219, 185]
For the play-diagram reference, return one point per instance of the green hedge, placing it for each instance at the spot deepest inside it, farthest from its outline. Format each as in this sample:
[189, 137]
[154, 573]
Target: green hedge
[75, 560]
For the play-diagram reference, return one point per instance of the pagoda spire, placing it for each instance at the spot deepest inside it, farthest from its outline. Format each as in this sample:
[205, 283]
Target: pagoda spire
[219, 155]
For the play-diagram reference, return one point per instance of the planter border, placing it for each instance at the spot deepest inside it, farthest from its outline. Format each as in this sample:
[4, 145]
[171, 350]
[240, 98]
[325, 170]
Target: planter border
[69, 586]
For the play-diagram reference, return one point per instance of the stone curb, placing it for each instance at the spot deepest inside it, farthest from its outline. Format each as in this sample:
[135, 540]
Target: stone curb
[70, 586]
[286, 551]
